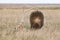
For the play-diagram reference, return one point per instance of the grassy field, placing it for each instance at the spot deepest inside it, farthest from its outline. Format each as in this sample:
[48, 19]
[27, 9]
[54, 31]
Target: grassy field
[10, 19]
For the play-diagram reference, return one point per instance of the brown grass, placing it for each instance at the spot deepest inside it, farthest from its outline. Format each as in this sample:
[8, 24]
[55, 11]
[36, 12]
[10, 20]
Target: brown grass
[11, 18]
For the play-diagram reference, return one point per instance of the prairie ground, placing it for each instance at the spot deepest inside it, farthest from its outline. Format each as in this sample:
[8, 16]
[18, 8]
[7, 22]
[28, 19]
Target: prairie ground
[10, 19]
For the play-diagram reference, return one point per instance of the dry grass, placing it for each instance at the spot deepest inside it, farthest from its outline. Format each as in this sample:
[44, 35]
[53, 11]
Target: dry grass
[11, 18]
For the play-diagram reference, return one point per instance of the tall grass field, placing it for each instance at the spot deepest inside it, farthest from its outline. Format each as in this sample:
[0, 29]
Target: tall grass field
[10, 19]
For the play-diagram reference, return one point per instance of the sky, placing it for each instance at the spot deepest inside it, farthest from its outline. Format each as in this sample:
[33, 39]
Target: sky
[30, 1]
